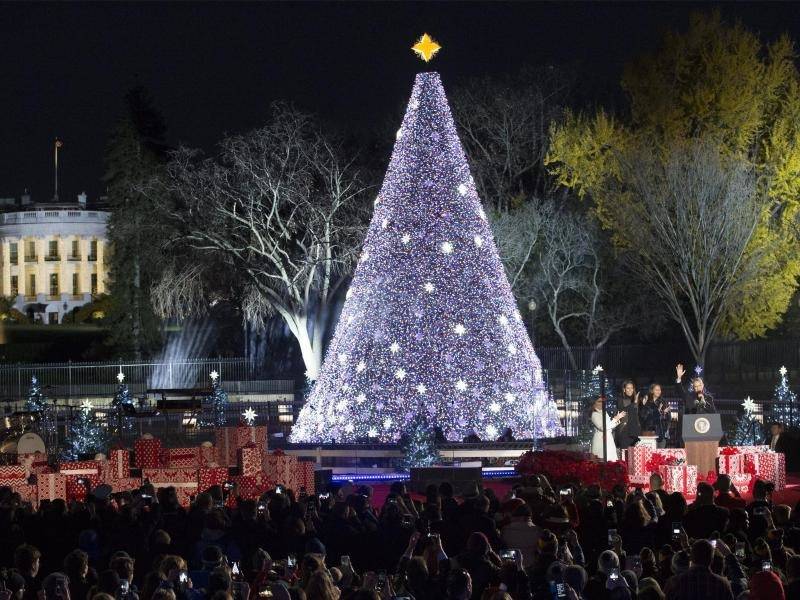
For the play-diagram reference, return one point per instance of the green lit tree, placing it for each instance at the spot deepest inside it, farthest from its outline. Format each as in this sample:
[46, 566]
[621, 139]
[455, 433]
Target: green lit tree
[86, 436]
[419, 447]
[749, 432]
[122, 406]
[785, 408]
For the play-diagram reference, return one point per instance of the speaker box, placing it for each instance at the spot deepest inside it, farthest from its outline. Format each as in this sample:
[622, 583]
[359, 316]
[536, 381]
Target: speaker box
[463, 479]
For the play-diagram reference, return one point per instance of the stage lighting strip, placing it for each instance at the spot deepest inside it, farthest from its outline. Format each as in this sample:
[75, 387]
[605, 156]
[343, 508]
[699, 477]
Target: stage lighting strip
[487, 473]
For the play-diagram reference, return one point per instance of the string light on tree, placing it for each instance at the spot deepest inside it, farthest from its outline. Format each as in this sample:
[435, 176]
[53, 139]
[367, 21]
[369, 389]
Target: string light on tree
[749, 432]
[419, 294]
[785, 408]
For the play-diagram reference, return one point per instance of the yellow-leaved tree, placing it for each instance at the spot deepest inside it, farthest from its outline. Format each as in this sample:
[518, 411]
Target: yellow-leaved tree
[719, 82]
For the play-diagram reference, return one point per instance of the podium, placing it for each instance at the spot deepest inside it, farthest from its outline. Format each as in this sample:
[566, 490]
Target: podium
[701, 436]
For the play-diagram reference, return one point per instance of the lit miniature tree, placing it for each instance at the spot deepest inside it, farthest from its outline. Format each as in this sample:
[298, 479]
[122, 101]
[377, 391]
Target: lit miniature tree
[214, 405]
[785, 408]
[749, 432]
[86, 436]
[429, 324]
[122, 406]
[36, 401]
[591, 390]
[419, 447]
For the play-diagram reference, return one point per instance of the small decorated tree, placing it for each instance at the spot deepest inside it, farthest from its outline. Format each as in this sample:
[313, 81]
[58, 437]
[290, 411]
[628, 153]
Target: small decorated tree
[785, 408]
[216, 403]
[36, 401]
[122, 406]
[419, 447]
[590, 392]
[749, 432]
[86, 436]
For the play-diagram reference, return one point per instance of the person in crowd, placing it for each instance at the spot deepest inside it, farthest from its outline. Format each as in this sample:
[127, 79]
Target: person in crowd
[699, 582]
[598, 415]
[26, 562]
[627, 434]
[727, 495]
[704, 517]
[697, 400]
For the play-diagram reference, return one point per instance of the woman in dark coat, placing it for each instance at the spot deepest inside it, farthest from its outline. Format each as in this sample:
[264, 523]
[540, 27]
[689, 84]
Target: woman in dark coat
[627, 433]
[649, 417]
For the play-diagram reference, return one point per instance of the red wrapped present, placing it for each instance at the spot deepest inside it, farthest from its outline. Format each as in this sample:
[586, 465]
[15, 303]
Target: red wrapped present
[636, 458]
[251, 459]
[183, 480]
[12, 474]
[771, 466]
[182, 458]
[86, 469]
[27, 493]
[147, 453]
[752, 449]
[229, 439]
[211, 476]
[743, 482]
[50, 486]
[34, 464]
[127, 484]
[730, 461]
[209, 457]
[76, 490]
[680, 478]
[119, 462]
[678, 454]
[286, 470]
[250, 487]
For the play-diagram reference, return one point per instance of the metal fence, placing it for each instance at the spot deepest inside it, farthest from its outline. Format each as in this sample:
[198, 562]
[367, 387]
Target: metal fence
[75, 380]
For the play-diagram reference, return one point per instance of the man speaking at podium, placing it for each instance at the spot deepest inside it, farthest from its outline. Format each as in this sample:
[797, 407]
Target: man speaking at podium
[697, 400]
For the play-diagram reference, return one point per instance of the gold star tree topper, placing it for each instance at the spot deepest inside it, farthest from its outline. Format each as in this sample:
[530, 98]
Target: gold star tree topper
[426, 47]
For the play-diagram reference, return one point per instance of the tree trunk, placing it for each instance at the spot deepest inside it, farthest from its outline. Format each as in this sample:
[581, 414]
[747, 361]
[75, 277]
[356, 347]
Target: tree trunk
[136, 328]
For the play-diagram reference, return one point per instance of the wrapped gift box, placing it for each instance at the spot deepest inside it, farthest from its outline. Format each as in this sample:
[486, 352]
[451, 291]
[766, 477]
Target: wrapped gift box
[182, 458]
[250, 487]
[680, 478]
[286, 470]
[27, 493]
[730, 464]
[211, 476]
[743, 482]
[51, 486]
[636, 458]
[230, 439]
[34, 464]
[12, 474]
[251, 459]
[87, 469]
[119, 461]
[209, 456]
[676, 453]
[147, 453]
[771, 467]
[127, 484]
[76, 491]
[752, 449]
[183, 480]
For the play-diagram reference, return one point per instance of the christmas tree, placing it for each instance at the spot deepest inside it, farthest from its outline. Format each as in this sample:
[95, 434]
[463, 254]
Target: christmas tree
[215, 404]
[591, 390]
[785, 408]
[419, 447]
[122, 406]
[749, 432]
[429, 324]
[86, 436]
[36, 401]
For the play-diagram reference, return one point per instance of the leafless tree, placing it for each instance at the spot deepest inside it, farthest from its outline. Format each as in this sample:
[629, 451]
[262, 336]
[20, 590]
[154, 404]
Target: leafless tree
[504, 126]
[692, 215]
[554, 257]
[280, 206]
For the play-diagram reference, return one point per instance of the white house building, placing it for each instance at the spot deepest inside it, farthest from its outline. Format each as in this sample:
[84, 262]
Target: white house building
[53, 255]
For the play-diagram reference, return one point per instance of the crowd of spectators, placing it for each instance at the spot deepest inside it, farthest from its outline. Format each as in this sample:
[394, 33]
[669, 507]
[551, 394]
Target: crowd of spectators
[538, 542]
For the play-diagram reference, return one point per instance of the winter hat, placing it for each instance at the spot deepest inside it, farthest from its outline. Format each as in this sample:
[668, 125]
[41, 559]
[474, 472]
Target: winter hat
[766, 585]
[478, 543]
[314, 546]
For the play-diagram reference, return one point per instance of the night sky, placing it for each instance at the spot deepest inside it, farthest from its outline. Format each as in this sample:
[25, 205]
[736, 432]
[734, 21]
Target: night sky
[214, 68]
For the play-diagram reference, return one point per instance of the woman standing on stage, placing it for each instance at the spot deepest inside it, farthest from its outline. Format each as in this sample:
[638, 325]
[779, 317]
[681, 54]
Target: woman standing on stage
[597, 437]
[628, 406]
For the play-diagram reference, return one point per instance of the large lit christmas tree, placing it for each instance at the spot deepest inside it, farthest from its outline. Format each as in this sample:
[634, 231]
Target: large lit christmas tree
[429, 323]
[785, 408]
[214, 405]
[122, 407]
[36, 401]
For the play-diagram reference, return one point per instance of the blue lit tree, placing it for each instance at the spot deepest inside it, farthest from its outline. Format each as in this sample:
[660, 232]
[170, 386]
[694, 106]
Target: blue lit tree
[749, 432]
[785, 408]
[419, 446]
[429, 324]
[36, 401]
[215, 404]
[122, 406]
[86, 436]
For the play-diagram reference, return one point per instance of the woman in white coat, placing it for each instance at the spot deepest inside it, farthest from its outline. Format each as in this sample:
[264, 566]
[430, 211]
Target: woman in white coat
[597, 438]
